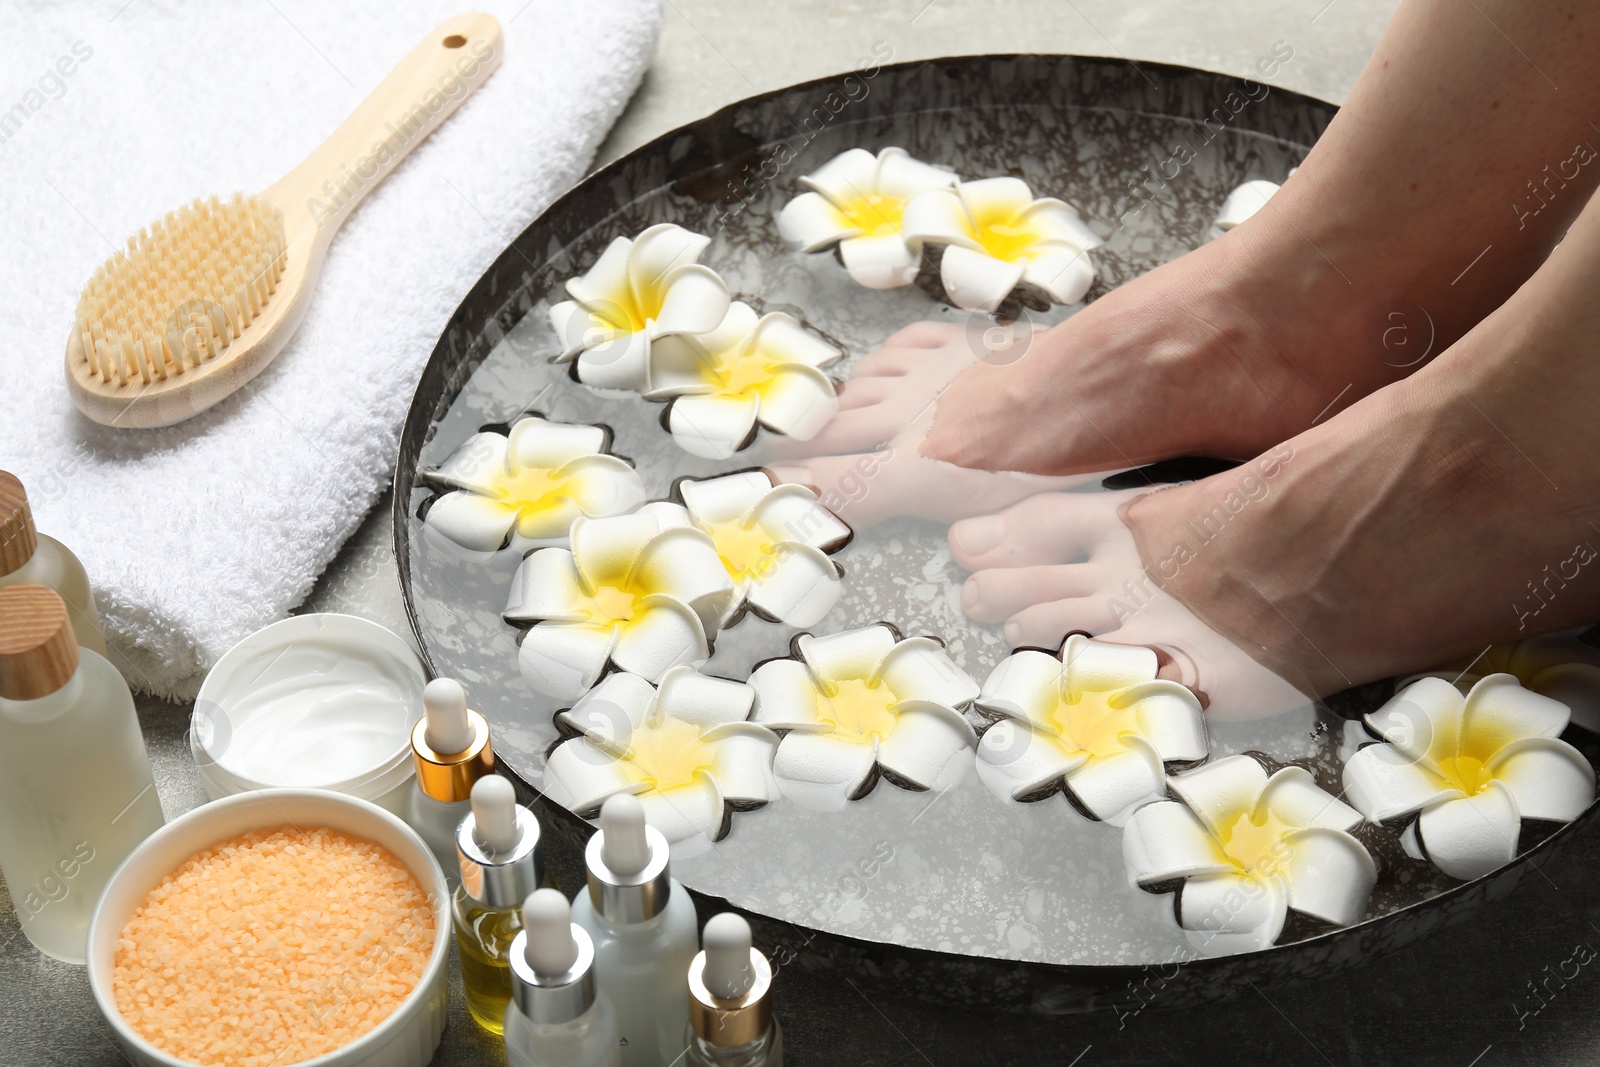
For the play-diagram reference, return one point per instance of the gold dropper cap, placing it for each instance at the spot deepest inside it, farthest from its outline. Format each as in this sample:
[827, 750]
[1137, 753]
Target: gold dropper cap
[18, 538]
[38, 650]
[730, 1021]
[449, 776]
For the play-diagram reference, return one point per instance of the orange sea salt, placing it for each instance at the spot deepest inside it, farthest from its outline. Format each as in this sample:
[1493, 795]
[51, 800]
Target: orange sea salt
[273, 947]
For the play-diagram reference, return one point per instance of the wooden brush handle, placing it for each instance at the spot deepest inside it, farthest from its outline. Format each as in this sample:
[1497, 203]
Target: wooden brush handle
[420, 93]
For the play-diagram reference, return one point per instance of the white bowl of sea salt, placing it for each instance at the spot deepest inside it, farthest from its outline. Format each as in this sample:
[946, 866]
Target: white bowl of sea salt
[319, 701]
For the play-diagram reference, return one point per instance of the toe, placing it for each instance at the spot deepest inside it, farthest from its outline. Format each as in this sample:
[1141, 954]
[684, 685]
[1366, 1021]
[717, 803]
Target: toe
[996, 595]
[864, 392]
[1047, 625]
[1043, 529]
[885, 363]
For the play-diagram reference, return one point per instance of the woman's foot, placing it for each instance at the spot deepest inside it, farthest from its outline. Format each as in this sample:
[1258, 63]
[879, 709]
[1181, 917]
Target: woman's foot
[1458, 508]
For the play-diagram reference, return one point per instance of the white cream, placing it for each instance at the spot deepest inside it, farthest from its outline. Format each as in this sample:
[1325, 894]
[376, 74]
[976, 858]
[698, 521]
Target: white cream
[322, 701]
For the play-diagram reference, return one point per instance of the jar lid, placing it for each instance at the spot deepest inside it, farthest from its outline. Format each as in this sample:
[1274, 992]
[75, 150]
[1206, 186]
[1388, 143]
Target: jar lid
[18, 538]
[38, 651]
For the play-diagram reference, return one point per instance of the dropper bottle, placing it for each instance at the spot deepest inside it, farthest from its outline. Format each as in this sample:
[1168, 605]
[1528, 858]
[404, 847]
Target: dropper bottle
[450, 747]
[730, 1001]
[497, 847]
[30, 557]
[643, 925]
[557, 1016]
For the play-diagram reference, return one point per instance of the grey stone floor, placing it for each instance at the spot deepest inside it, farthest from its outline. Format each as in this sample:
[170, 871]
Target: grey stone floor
[1464, 999]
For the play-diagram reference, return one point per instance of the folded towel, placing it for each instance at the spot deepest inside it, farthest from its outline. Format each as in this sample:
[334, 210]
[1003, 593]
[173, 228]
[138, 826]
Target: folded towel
[114, 113]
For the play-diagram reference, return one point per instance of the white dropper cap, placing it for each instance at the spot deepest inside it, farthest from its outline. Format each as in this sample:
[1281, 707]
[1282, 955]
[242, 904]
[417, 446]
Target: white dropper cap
[727, 945]
[494, 811]
[547, 917]
[444, 704]
[625, 849]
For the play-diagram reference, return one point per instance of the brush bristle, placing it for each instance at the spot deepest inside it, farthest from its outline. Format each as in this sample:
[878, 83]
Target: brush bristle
[183, 290]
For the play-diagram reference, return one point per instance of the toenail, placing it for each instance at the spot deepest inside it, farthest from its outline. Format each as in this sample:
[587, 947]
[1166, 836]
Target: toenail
[976, 536]
[1013, 634]
[971, 596]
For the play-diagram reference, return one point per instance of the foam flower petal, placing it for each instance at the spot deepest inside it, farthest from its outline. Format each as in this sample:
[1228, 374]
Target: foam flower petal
[1114, 786]
[546, 586]
[1024, 685]
[783, 340]
[607, 279]
[693, 810]
[824, 767]
[679, 366]
[581, 777]
[577, 327]
[1232, 913]
[1425, 716]
[853, 654]
[682, 563]
[1063, 272]
[609, 713]
[477, 465]
[1218, 791]
[1472, 836]
[657, 254]
[1244, 201]
[1165, 714]
[939, 217]
[713, 426]
[696, 302]
[918, 668]
[1499, 710]
[538, 442]
[1294, 796]
[704, 701]
[1056, 220]
[929, 747]
[472, 521]
[620, 363]
[664, 634]
[1165, 840]
[995, 199]
[786, 696]
[880, 261]
[798, 401]
[799, 588]
[742, 765]
[1014, 761]
[977, 281]
[1385, 782]
[1328, 875]
[729, 497]
[1104, 665]
[604, 552]
[564, 659]
[793, 513]
[811, 222]
[847, 176]
[1548, 778]
[602, 485]
[900, 175]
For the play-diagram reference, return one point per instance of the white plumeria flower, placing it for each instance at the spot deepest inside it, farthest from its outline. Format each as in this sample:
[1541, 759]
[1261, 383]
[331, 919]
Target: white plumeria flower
[774, 542]
[997, 236]
[639, 291]
[1470, 768]
[748, 371]
[1556, 665]
[644, 592]
[684, 750]
[863, 703]
[1244, 202]
[530, 485]
[856, 204]
[1249, 849]
[1093, 721]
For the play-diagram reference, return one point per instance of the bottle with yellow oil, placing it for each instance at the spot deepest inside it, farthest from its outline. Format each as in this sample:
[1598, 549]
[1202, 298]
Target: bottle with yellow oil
[498, 846]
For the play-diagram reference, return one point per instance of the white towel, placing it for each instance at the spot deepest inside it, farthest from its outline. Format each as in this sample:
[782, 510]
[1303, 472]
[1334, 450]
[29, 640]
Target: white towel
[114, 113]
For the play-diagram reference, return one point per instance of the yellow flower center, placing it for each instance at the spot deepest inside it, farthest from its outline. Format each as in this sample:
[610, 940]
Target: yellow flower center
[1006, 240]
[611, 604]
[875, 214]
[737, 370]
[529, 489]
[1257, 846]
[1465, 773]
[746, 551]
[1092, 725]
[858, 711]
[669, 755]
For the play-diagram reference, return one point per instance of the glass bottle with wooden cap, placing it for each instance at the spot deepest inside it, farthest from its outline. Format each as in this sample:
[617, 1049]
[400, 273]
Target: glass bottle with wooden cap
[451, 749]
[730, 1001]
[28, 557]
[76, 793]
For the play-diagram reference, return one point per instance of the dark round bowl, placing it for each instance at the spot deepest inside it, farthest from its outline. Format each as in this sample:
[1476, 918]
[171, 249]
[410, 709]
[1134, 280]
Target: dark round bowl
[992, 109]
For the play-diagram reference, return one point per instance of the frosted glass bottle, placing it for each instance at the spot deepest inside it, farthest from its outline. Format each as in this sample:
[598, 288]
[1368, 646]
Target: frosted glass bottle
[644, 929]
[28, 557]
[557, 1017]
[76, 792]
[730, 1001]
[451, 750]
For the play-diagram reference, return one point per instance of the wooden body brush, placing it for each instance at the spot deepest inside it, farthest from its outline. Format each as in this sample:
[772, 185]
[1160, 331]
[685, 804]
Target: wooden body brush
[202, 300]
